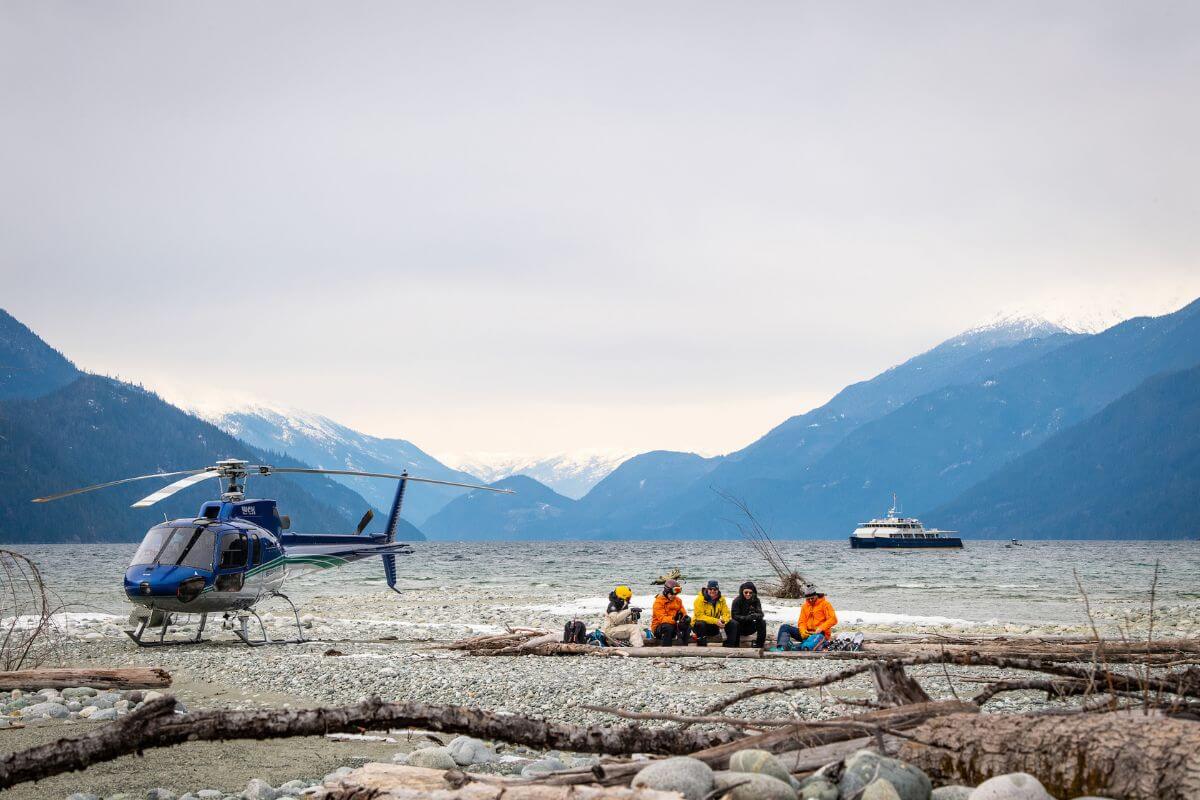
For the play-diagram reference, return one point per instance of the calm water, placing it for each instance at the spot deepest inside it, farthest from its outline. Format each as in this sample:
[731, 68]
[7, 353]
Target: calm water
[984, 582]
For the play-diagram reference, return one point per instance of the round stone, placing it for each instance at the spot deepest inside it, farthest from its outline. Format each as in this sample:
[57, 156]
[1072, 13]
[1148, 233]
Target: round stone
[952, 792]
[48, 710]
[865, 766]
[432, 758]
[160, 794]
[467, 750]
[103, 715]
[258, 789]
[880, 790]
[1013, 786]
[818, 788]
[753, 786]
[760, 762]
[689, 776]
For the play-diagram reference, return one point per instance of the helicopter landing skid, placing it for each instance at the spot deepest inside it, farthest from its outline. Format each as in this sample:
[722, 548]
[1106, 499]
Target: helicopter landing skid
[136, 636]
[244, 632]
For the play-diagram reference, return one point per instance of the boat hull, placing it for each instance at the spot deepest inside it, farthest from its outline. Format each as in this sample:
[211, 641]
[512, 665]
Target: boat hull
[881, 543]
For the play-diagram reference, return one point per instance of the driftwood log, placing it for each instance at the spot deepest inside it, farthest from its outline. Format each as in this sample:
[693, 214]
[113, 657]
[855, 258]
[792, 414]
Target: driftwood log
[397, 782]
[1135, 757]
[124, 678]
[156, 725]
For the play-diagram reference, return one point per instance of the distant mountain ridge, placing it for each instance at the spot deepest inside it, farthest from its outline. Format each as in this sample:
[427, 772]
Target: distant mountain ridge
[325, 444]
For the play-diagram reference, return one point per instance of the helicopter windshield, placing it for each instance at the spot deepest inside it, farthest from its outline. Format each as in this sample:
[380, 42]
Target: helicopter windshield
[188, 546]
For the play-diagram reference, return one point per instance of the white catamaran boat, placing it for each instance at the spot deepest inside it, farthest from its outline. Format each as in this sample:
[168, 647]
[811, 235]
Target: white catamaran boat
[896, 531]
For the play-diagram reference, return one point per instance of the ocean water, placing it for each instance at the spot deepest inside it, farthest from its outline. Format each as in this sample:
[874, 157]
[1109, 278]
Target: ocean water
[985, 583]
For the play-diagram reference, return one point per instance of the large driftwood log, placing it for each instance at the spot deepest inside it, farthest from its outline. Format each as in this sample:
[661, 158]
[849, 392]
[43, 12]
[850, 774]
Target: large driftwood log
[396, 782]
[124, 678]
[1114, 755]
[156, 726]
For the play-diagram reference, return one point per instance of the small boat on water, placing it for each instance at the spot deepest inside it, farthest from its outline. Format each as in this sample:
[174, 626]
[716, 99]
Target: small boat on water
[895, 531]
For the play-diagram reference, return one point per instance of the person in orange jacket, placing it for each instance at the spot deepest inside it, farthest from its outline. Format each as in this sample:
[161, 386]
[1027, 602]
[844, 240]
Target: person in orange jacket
[816, 616]
[670, 622]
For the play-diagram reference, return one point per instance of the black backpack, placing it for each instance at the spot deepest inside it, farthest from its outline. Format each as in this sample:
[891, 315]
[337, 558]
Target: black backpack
[575, 632]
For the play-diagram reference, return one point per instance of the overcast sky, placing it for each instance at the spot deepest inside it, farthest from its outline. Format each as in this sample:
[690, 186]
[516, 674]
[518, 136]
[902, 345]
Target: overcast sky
[535, 227]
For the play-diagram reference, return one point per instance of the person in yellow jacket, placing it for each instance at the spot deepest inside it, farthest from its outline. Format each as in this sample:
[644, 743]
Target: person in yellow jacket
[710, 613]
[621, 620]
[816, 616]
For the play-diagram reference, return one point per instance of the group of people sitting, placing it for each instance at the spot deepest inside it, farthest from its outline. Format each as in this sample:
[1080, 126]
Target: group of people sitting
[712, 619]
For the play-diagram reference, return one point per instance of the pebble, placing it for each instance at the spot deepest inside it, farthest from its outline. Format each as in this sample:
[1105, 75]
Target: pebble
[1013, 786]
[689, 776]
[542, 766]
[160, 794]
[103, 715]
[208, 794]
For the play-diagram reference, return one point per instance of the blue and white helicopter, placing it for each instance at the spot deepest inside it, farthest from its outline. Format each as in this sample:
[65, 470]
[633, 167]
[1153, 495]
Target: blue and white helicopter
[237, 552]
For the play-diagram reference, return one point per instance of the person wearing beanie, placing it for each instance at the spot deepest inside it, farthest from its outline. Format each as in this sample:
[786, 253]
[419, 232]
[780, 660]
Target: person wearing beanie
[621, 619]
[747, 617]
[670, 623]
[710, 613]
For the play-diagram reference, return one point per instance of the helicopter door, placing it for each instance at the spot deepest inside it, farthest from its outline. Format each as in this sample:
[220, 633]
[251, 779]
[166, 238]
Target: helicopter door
[231, 562]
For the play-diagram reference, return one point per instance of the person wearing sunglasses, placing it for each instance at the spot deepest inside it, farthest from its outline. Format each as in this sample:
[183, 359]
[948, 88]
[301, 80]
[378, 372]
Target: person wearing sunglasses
[670, 623]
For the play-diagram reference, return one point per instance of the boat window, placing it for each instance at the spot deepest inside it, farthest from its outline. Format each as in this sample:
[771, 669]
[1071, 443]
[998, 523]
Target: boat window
[234, 550]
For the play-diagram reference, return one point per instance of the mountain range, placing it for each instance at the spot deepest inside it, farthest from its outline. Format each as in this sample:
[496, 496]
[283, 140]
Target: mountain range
[930, 429]
[61, 428]
[1017, 428]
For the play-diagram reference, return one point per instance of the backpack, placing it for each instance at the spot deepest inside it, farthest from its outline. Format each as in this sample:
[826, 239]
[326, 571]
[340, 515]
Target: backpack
[597, 638]
[575, 632]
[814, 642]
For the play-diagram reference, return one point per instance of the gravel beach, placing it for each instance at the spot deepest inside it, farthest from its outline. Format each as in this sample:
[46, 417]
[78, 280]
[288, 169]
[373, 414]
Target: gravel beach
[403, 658]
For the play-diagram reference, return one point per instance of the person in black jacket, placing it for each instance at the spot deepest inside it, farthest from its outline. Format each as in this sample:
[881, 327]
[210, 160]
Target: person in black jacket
[748, 618]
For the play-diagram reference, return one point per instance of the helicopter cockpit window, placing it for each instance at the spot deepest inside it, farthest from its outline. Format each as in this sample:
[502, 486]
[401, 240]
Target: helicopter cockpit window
[234, 549]
[189, 546]
[152, 545]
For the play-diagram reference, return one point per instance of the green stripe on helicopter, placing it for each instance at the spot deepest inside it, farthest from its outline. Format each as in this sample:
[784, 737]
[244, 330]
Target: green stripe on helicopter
[319, 561]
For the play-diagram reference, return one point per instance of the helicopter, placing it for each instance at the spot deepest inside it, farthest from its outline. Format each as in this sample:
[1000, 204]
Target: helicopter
[238, 552]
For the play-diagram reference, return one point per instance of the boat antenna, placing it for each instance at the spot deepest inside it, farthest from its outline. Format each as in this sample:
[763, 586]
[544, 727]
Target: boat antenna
[895, 503]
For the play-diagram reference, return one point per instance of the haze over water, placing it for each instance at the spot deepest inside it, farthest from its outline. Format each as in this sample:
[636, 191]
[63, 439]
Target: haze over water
[986, 582]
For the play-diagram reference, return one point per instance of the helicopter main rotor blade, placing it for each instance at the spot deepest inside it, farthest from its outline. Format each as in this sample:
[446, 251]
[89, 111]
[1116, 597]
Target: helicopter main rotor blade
[61, 495]
[387, 475]
[172, 488]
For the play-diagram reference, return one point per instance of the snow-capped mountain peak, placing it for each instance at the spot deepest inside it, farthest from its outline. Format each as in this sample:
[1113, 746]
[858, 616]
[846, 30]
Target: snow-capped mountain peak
[571, 474]
[320, 442]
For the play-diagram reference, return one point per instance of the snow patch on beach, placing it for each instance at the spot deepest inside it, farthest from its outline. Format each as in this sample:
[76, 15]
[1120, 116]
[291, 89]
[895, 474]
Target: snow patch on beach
[776, 613]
